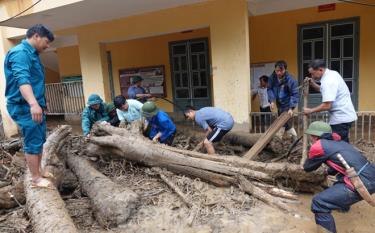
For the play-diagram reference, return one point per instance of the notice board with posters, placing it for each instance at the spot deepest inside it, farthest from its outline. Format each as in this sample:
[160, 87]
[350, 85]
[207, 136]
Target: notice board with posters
[153, 79]
[259, 69]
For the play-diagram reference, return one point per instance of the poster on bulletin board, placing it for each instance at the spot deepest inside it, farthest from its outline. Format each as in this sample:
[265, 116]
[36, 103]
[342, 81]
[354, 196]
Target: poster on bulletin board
[259, 69]
[153, 79]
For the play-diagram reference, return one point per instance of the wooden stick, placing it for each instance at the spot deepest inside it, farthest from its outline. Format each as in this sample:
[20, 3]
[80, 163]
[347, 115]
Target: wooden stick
[258, 193]
[174, 187]
[267, 136]
[273, 190]
[305, 122]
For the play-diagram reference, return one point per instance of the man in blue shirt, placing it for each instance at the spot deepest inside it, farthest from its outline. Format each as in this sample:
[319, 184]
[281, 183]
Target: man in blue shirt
[136, 91]
[162, 127]
[214, 121]
[25, 93]
[127, 110]
[283, 92]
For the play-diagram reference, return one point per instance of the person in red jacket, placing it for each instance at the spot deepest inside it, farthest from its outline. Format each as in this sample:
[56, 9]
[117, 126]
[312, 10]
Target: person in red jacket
[340, 196]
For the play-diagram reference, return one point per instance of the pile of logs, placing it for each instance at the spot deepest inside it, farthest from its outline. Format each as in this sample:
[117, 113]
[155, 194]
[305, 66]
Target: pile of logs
[113, 204]
[219, 170]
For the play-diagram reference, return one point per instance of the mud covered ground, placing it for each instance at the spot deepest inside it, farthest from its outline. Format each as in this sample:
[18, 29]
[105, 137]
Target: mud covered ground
[218, 209]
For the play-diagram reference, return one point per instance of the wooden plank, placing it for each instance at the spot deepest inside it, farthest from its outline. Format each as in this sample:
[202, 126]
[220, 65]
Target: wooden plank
[267, 136]
[305, 123]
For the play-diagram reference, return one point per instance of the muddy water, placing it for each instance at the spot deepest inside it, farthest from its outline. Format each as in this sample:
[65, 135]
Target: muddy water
[360, 219]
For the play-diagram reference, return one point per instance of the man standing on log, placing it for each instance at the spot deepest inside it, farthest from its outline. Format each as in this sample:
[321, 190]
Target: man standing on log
[162, 127]
[214, 121]
[25, 93]
[283, 92]
[325, 147]
[335, 97]
[98, 111]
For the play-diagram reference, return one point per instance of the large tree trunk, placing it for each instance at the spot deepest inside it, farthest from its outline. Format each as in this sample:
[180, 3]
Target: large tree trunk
[112, 203]
[137, 149]
[45, 206]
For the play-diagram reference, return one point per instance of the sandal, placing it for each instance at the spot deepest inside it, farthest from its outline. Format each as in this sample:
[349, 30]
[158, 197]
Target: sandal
[42, 183]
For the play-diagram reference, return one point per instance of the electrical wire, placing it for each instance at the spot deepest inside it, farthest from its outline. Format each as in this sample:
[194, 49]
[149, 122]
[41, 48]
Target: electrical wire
[20, 13]
[357, 2]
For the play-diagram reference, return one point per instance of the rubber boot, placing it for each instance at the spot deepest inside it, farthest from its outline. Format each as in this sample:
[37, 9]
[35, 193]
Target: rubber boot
[320, 229]
[325, 223]
[293, 133]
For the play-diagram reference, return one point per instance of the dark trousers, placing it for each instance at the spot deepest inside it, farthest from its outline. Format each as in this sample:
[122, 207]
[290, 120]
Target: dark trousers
[114, 121]
[342, 130]
[170, 139]
[337, 197]
[266, 118]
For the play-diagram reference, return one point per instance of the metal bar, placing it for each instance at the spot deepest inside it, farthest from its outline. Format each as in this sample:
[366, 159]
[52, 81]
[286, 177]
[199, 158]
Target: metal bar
[363, 126]
[369, 128]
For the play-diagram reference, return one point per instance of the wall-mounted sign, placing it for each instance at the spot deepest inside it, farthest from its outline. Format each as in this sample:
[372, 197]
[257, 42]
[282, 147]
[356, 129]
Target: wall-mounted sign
[327, 7]
[153, 79]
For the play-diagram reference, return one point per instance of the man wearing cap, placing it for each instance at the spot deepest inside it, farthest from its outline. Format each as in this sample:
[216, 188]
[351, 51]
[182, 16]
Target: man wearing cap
[325, 147]
[215, 121]
[97, 111]
[136, 91]
[162, 127]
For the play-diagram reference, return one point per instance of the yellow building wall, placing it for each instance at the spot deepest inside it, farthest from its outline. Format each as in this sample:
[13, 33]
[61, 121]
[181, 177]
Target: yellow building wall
[229, 37]
[151, 51]
[51, 76]
[69, 63]
[274, 37]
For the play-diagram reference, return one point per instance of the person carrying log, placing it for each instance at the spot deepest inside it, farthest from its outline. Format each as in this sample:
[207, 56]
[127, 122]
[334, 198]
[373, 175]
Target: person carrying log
[215, 121]
[162, 128]
[325, 148]
[97, 111]
[335, 97]
[127, 110]
[25, 93]
[283, 92]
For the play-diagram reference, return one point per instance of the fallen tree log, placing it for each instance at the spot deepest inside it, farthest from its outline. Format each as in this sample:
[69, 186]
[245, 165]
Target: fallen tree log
[113, 204]
[292, 172]
[211, 177]
[50, 159]
[137, 149]
[285, 170]
[45, 207]
[233, 137]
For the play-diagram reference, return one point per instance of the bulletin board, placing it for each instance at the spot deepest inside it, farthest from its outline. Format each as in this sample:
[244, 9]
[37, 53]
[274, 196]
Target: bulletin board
[153, 79]
[259, 69]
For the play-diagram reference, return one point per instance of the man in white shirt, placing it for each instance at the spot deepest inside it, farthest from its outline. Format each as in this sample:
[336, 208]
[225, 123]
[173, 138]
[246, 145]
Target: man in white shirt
[335, 98]
[264, 103]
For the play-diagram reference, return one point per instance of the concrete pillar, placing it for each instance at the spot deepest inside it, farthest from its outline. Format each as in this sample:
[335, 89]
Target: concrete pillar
[94, 68]
[230, 53]
[10, 127]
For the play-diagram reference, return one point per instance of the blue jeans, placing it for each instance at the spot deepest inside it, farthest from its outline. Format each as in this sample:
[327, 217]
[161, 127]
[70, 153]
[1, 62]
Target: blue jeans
[34, 133]
[338, 197]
